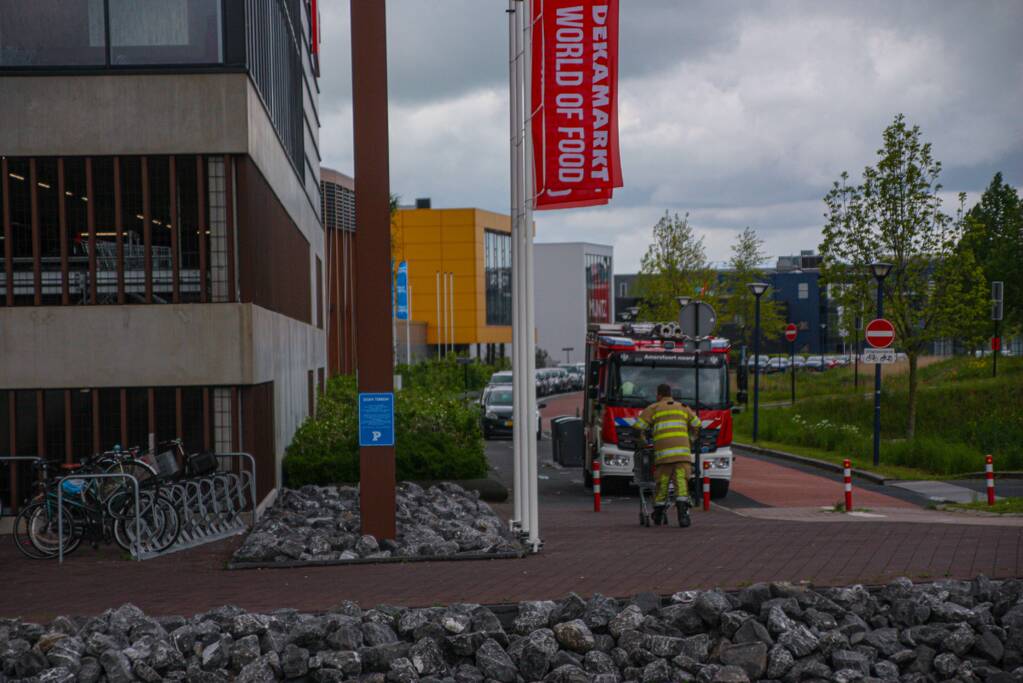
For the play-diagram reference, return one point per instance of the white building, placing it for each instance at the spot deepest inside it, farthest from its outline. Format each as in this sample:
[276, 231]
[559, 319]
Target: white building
[573, 288]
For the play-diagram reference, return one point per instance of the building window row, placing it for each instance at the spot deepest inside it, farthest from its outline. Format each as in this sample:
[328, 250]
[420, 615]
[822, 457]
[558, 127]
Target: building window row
[71, 424]
[497, 264]
[96, 230]
[104, 33]
[274, 47]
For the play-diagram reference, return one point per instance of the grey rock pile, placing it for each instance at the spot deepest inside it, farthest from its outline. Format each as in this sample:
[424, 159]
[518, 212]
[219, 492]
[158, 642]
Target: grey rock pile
[948, 631]
[323, 524]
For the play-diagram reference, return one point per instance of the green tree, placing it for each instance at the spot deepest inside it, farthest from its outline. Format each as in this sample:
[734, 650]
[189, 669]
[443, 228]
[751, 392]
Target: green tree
[675, 264]
[737, 305]
[994, 234]
[895, 215]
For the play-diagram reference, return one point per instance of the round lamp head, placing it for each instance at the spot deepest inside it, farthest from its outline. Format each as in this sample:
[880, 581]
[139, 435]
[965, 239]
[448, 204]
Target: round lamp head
[683, 301]
[880, 270]
[758, 288]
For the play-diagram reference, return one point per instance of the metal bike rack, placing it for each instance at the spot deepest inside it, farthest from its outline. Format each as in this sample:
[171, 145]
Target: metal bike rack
[252, 482]
[211, 506]
[107, 475]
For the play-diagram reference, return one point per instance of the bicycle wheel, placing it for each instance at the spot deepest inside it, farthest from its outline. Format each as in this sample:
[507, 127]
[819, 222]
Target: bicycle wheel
[43, 532]
[21, 537]
[157, 529]
[132, 466]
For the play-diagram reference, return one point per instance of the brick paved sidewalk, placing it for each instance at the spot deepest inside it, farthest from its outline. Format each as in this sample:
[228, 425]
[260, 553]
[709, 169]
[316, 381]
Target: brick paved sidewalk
[585, 552]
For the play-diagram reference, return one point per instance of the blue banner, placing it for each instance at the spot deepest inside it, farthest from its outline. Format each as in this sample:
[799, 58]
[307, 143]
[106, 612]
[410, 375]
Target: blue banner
[401, 292]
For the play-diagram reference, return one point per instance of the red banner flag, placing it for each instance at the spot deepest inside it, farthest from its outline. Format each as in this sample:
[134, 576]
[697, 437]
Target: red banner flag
[575, 102]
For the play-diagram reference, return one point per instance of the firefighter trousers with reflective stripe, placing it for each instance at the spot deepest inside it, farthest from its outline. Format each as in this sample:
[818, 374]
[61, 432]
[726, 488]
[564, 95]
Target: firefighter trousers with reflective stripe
[663, 474]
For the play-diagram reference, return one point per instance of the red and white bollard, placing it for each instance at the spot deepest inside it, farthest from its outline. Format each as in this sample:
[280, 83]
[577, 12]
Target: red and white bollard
[848, 484]
[706, 486]
[989, 472]
[596, 485]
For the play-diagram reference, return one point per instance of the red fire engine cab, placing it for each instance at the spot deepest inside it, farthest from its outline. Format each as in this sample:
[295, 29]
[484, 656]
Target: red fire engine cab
[625, 363]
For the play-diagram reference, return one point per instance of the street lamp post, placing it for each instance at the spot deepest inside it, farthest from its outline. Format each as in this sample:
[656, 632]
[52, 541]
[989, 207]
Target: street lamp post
[568, 351]
[880, 272]
[758, 289]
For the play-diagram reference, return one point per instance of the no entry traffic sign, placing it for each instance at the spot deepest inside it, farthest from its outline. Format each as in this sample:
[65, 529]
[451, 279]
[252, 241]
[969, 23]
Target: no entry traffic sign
[880, 333]
[790, 332]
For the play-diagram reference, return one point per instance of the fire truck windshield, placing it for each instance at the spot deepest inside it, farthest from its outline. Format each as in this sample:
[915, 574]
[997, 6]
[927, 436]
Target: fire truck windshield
[637, 384]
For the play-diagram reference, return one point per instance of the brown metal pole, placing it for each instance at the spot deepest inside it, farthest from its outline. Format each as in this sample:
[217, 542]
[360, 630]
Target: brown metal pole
[91, 219]
[373, 216]
[147, 231]
[229, 192]
[175, 229]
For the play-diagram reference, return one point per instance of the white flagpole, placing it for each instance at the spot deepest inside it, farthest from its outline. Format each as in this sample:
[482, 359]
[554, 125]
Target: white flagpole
[527, 224]
[519, 385]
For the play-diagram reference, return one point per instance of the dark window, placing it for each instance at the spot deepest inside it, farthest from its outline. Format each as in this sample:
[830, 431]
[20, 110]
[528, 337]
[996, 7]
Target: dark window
[188, 227]
[109, 418]
[598, 288]
[106, 232]
[138, 417]
[27, 442]
[52, 33]
[497, 266]
[49, 228]
[160, 227]
[76, 206]
[133, 226]
[54, 426]
[81, 423]
[3, 270]
[165, 407]
[21, 230]
[165, 32]
[5, 446]
[319, 293]
[191, 419]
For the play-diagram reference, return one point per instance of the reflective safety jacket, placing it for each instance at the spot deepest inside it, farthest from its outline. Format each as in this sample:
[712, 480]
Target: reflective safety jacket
[671, 423]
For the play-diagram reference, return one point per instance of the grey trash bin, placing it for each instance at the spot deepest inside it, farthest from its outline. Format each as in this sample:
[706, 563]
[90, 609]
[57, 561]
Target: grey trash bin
[570, 442]
[556, 437]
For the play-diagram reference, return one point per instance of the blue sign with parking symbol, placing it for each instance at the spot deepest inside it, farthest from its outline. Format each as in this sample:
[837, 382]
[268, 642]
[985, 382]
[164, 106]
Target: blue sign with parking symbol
[376, 419]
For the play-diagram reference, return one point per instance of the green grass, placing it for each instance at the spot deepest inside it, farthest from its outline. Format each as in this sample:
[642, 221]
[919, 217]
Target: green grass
[962, 415]
[1006, 506]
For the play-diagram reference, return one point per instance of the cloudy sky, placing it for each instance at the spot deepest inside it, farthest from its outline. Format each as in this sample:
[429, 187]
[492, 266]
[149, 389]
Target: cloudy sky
[740, 113]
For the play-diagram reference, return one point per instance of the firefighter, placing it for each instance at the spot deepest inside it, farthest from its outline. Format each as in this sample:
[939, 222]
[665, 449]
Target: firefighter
[674, 428]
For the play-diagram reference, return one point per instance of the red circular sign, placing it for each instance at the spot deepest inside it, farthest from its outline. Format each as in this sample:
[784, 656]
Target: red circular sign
[880, 333]
[791, 332]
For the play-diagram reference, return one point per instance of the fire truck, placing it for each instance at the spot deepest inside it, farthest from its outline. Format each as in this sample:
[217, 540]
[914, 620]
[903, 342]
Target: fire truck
[625, 364]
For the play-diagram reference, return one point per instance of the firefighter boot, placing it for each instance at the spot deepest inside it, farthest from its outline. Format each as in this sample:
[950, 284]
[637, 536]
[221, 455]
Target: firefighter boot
[682, 506]
[659, 517]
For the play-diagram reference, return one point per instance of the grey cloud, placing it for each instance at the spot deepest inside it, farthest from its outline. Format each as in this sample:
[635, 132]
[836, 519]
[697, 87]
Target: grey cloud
[742, 113]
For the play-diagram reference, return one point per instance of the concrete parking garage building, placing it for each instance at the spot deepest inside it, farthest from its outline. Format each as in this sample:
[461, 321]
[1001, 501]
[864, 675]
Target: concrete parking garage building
[162, 265]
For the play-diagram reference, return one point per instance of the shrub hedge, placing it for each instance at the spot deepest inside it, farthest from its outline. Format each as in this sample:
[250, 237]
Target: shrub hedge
[437, 436]
[958, 422]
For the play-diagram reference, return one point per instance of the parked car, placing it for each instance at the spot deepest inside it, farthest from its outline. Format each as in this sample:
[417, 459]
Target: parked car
[497, 412]
[501, 377]
[816, 364]
[799, 362]
[764, 362]
[575, 375]
[777, 364]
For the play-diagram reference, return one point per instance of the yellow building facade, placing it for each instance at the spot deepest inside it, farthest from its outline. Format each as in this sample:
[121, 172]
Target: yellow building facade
[475, 247]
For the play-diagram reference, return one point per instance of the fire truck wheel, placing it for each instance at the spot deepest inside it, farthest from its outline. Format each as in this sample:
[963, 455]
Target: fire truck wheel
[718, 488]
